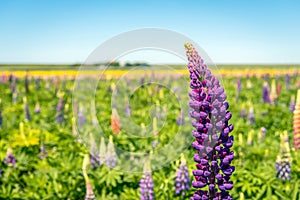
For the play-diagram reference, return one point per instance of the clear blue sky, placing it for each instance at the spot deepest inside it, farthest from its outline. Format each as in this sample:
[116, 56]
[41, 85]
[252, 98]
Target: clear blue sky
[53, 31]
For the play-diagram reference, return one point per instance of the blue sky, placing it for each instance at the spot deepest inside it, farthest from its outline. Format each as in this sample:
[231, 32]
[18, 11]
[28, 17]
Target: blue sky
[53, 31]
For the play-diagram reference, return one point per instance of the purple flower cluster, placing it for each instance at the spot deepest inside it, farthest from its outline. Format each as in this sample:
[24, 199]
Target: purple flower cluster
[111, 156]
[10, 160]
[182, 179]
[287, 81]
[266, 94]
[213, 143]
[146, 186]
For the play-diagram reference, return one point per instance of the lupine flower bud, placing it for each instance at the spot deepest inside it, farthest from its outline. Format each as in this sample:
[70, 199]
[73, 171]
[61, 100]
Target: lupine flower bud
[182, 183]
[111, 156]
[296, 123]
[213, 142]
[10, 160]
[238, 89]
[283, 162]
[146, 183]
[89, 190]
[266, 95]
[26, 109]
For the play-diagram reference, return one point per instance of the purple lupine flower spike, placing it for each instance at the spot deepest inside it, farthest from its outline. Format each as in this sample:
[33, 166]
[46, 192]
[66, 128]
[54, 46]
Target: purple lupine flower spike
[128, 111]
[146, 183]
[94, 155]
[266, 93]
[182, 179]
[37, 83]
[287, 81]
[26, 109]
[213, 142]
[251, 118]
[10, 160]
[81, 117]
[60, 111]
[1, 119]
[238, 88]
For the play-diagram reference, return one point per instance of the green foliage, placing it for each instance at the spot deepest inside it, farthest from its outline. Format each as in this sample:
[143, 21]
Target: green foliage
[59, 176]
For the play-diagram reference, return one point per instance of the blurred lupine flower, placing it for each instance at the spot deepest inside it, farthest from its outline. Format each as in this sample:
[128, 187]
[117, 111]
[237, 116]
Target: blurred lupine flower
[26, 109]
[26, 83]
[102, 153]
[292, 104]
[155, 133]
[37, 108]
[248, 84]
[111, 156]
[273, 94]
[266, 95]
[287, 81]
[115, 121]
[146, 183]
[243, 113]
[296, 122]
[128, 111]
[3, 78]
[47, 84]
[89, 195]
[182, 183]
[283, 162]
[14, 97]
[213, 143]
[81, 117]
[60, 111]
[250, 137]
[1, 119]
[251, 118]
[180, 120]
[238, 89]
[43, 152]
[94, 154]
[1, 173]
[10, 160]
[278, 88]
[263, 132]
[37, 83]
